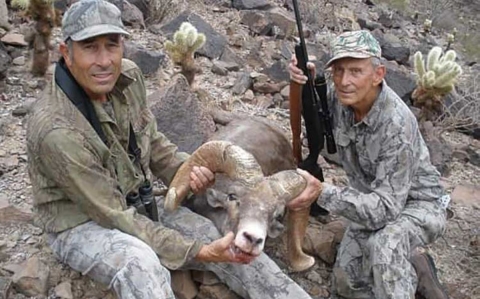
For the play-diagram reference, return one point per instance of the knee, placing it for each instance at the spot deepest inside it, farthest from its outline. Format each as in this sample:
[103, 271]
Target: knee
[139, 258]
[385, 244]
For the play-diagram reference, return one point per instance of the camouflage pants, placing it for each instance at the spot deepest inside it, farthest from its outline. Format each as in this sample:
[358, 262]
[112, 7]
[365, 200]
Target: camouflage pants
[375, 264]
[132, 269]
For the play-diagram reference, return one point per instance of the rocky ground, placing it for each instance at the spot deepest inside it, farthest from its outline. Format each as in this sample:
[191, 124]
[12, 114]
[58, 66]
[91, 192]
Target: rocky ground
[28, 268]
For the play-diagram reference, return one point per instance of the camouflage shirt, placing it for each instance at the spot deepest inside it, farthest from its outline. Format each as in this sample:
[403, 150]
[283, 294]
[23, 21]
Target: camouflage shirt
[77, 178]
[386, 160]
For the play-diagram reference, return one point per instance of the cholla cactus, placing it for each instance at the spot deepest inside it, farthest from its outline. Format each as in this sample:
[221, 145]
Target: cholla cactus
[45, 17]
[427, 25]
[186, 41]
[435, 79]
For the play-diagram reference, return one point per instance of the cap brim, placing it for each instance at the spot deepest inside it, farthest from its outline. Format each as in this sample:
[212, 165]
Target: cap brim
[97, 30]
[347, 55]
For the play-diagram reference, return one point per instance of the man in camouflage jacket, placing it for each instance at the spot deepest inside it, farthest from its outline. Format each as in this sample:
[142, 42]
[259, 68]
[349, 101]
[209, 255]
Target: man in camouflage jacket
[80, 182]
[394, 200]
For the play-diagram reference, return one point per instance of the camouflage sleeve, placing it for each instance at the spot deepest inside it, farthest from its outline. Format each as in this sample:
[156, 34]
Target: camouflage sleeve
[389, 189]
[75, 168]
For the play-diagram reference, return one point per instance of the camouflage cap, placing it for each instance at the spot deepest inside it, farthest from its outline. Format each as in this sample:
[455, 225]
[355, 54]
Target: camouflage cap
[355, 44]
[89, 18]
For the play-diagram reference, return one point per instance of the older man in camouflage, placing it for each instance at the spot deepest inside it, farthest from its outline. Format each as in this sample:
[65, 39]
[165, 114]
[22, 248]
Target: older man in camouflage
[83, 136]
[394, 200]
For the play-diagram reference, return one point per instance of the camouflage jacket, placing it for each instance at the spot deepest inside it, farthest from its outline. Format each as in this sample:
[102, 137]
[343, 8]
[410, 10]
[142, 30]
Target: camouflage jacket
[386, 160]
[77, 178]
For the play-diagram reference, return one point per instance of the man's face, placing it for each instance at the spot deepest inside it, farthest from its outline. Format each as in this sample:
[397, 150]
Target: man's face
[356, 80]
[95, 63]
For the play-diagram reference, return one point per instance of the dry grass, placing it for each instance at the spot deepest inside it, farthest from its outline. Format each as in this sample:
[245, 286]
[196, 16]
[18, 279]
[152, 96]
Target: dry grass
[464, 112]
[160, 10]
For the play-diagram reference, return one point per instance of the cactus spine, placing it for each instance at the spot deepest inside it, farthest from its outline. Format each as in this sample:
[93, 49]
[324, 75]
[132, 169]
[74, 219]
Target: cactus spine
[186, 41]
[435, 78]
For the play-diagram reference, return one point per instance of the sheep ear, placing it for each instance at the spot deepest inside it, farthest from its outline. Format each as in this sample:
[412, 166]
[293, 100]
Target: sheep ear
[215, 198]
[275, 229]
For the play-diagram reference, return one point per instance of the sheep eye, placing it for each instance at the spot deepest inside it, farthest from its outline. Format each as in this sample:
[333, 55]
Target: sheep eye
[279, 217]
[231, 197]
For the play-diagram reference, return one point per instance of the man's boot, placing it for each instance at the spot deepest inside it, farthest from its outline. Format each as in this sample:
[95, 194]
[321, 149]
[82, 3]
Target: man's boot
[428, 285]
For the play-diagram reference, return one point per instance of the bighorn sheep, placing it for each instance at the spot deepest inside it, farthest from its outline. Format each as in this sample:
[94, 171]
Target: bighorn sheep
[259, 178]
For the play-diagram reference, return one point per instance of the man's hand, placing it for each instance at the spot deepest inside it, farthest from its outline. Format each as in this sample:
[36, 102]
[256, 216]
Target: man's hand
[310, 194]
[221, 251]
[200, 179]
[296, 74]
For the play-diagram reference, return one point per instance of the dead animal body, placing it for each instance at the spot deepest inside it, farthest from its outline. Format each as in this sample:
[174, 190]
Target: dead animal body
[255, 179]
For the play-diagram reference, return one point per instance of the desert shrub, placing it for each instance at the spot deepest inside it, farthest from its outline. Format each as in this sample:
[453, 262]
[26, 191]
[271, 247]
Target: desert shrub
[462, 111]
[160, 10]
[470, 41]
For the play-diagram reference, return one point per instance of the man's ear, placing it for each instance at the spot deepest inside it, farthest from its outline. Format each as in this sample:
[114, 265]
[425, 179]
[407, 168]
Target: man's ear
[64, 50]
[380, 72]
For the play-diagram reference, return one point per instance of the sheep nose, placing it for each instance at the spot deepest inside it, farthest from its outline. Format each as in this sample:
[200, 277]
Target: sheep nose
[253, 240]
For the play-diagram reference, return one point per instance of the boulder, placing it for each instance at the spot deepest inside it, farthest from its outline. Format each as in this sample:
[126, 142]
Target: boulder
[242, 84]
[183, 285]
[32, 279]
[251, 4]
[467, 195]
[132, 16]
[402, 82]
[180, 115]
[148, 61]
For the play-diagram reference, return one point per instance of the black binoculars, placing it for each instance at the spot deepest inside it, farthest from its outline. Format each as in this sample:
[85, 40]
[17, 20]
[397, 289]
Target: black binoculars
[144, 201]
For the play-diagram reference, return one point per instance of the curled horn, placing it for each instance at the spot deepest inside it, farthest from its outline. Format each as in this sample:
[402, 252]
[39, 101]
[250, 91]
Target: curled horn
[287, 185]
[218, 156]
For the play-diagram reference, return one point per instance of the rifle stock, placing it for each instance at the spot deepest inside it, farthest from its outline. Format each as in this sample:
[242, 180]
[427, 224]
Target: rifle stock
[295, 119]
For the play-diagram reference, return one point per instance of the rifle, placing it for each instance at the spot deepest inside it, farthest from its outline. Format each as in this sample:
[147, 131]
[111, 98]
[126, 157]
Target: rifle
[317, 121]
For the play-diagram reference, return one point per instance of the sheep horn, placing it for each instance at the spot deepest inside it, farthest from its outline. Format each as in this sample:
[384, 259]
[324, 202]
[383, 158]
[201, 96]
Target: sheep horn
[218, 156]
[287, 185]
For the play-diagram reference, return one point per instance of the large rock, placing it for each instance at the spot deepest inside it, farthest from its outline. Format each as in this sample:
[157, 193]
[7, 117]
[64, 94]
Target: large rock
[14, 39]
[64, 290]
[473, 155]
[148, 61]
[278, 71]
[392, 48]
[215, 43]
[180, 115]
[275, 22]
[5, 61]
[242, 84]
[183, 285]
[5, 285]
[4, 15]
[217, 291]
[32, 279]
[467, 195]
[400, 81]
[230, 57]
[251, 4]
[132, 15]
[320, 243]
[257, 22]
[142, 5]
[285, 22]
